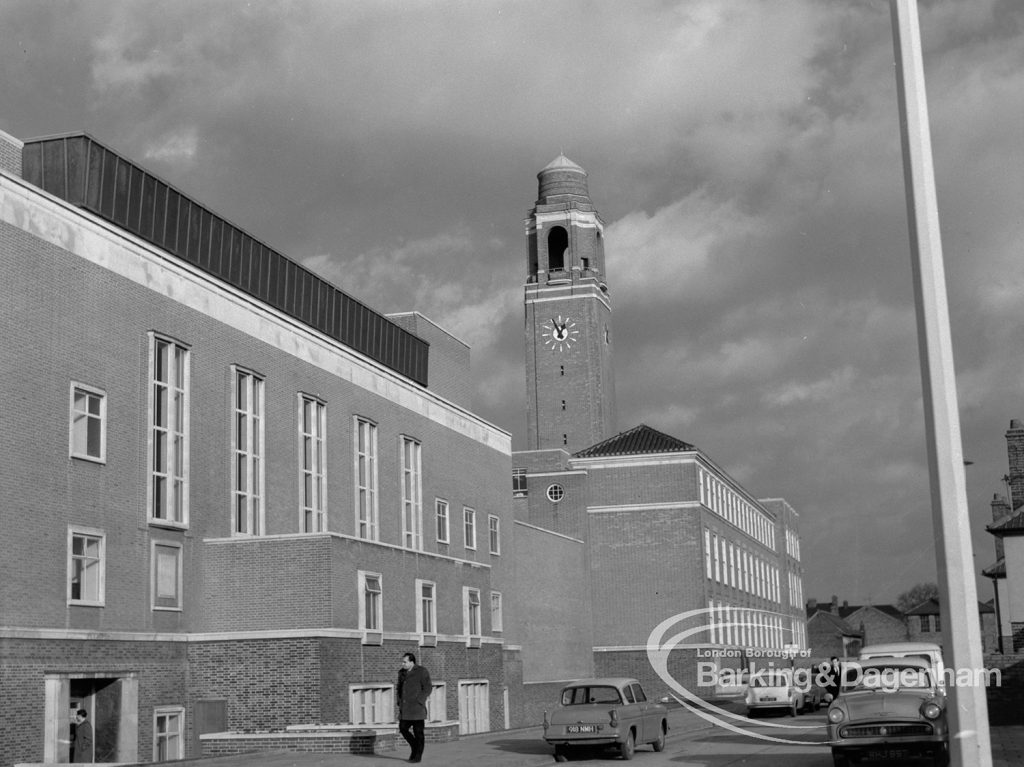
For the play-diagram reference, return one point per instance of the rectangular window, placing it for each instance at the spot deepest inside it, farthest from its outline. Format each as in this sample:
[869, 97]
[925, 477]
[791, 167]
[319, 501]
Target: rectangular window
[518, 483]
[371, 704]
[88, 423]
[426, 615]
[494, 533]
[169, 431]
[366, 479]
[497, 622]
[412, 494]
[168, 731]
[247, 453]
[469, 527]
[167, 576]
[718, 564]
[371, 604]
[86, 566]
[312, 428]
[471, 611]
[441, 513]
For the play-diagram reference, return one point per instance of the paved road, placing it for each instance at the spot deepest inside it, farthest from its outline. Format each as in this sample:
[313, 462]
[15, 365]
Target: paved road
[718, 747]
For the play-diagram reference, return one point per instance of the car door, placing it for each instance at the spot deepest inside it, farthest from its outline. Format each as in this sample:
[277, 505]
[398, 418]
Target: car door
[643, 726]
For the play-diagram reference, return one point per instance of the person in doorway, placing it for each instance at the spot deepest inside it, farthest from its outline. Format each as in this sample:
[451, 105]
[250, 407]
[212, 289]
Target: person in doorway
[835, 676]
[413, 688]
[82, 743]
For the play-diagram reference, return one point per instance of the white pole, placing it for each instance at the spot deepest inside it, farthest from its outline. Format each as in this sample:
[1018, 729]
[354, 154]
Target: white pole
[970, 745]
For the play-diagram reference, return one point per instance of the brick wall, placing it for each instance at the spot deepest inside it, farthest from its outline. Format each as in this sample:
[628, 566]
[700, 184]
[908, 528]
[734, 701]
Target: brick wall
[159, 666]
[553, 582]
[646, 566]
[10, 153]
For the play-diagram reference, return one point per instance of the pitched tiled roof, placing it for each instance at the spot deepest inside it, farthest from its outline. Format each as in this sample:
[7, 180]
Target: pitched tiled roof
[997, 570]
[931, 607]
[1014, 525]
[837, 623]
[637, 441]
[845, 611]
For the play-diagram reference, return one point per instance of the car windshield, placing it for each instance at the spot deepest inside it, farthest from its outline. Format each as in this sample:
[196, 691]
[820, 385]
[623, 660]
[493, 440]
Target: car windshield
[578, 696]
[892, 678]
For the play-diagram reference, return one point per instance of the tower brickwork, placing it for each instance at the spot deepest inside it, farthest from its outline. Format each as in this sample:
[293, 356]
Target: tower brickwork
[569, 377]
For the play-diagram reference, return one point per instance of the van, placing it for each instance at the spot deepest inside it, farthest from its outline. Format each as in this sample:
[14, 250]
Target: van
[929, 651]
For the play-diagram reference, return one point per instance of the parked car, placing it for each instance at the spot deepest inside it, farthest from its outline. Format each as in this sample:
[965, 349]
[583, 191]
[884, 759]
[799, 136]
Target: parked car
[773, 689]
[895, 711]
[929, 651]
[604, 713]
[814, 693]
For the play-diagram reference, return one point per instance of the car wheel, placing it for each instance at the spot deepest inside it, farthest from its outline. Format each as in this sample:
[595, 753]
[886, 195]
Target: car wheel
[659, 744]
[750, 713]
[628, 746]
[838, 760]
[941, 759]
[561, 754]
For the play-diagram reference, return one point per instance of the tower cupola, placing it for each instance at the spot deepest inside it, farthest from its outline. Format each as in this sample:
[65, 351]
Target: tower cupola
[562, 180]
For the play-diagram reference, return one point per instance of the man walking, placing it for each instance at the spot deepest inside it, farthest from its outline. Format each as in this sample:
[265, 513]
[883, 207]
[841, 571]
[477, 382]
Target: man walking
[414, 688]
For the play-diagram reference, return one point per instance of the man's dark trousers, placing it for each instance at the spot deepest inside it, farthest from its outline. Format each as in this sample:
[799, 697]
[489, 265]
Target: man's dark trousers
[415, 739]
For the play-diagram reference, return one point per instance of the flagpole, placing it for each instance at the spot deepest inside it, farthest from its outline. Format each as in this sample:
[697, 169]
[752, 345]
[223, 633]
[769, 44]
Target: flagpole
[967, 707]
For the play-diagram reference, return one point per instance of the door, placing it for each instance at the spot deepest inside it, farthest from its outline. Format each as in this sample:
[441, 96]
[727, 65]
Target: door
[474, 707]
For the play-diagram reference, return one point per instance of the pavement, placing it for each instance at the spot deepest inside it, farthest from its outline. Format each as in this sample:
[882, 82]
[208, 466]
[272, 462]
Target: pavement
[524, 748]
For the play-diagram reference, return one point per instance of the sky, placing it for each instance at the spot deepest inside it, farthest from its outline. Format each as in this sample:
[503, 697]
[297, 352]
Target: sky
[744, 156]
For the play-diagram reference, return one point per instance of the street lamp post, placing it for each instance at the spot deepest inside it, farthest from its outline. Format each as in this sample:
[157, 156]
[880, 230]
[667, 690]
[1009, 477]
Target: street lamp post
[970, 744]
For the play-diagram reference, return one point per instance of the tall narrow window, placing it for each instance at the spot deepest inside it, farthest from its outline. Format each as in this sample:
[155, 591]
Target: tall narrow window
[168, 730]
[86, 554]
[370, 608]
[312, 425]
[247, 449]
[494, 533]
[366, 479]
[469, 528]
[497, 622]
[169, 431]
[441, 515]
[518, 483]
[471, 611]
[88, 423]
[412, 495]
[426, 617]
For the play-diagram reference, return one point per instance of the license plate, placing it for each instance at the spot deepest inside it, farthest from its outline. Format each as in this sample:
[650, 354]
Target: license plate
[574, 728]
[769, 699]
[888, 753]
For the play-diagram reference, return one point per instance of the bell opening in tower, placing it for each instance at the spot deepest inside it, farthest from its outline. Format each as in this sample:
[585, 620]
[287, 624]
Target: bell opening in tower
[558, 243]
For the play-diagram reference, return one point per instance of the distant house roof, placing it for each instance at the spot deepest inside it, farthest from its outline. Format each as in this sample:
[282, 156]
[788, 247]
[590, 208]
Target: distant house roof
[639, 440]
[931, 607]
[997, 570]
[1012, 526]
[834, 622]
[846, 610]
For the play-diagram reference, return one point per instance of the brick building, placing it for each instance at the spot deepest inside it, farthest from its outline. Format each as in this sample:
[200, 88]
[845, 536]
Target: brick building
[647, 525]
[231, 495]
[1007, 527]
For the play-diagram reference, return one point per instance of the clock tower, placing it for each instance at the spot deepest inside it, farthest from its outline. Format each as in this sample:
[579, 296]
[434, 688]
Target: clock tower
[569, 379]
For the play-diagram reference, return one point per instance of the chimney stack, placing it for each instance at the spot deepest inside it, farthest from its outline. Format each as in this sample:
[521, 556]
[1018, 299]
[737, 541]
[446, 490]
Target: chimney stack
[1015, 454]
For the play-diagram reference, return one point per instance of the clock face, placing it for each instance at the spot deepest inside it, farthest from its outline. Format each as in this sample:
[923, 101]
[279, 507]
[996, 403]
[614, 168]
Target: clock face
[560, 333]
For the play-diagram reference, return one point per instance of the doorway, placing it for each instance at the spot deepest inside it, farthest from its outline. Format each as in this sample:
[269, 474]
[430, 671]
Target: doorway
[111, 702]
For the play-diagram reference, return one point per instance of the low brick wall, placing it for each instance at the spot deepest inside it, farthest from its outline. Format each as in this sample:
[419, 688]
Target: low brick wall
[353, 742]
[323, 739]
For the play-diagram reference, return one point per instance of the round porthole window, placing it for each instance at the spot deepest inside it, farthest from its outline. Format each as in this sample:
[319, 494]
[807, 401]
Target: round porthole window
[556, 493]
